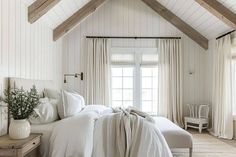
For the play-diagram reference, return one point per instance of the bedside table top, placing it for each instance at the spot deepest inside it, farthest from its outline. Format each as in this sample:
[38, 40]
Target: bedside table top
[7, 143]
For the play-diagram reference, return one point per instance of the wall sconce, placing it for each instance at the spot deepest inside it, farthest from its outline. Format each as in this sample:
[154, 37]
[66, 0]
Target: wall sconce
[74, 75]
[191, 72]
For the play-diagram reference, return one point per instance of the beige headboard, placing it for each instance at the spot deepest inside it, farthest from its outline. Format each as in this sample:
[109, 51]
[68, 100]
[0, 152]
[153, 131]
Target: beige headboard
[3, 85]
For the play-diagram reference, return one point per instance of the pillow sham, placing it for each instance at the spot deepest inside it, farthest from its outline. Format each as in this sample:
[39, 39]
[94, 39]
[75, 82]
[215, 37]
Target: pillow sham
[52, 94]
[46, 112]
[57, 100]
[72, 104]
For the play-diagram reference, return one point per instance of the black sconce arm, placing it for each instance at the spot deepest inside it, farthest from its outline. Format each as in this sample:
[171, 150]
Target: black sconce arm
[74, 75]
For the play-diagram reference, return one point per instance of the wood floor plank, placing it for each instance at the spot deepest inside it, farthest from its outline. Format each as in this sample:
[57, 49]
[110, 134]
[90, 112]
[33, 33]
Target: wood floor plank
[206, 145]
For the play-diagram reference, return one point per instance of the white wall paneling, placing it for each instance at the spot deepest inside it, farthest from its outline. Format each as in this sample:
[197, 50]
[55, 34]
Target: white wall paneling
[133, 18]
[27, 50]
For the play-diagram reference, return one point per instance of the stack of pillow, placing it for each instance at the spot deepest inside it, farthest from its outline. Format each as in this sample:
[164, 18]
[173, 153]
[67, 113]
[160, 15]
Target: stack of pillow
[56, 105]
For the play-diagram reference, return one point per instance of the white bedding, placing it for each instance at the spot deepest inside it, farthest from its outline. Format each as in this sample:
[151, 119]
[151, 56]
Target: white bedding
[45, 130]
[78, 136]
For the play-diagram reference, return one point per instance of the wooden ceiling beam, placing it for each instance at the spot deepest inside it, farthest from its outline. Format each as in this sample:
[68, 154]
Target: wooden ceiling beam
[76, 18]
[39, 8]
[177, 22]
[220, 11]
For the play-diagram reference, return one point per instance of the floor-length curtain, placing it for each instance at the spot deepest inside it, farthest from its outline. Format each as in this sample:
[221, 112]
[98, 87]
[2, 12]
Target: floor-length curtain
[222, 90]
[97, 73]
[170, 79]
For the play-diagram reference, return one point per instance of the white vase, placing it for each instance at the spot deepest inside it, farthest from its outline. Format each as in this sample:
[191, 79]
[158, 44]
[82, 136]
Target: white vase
[19, 129]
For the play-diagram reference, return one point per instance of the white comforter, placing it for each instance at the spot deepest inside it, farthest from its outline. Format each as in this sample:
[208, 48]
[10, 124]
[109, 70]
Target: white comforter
[82, 136]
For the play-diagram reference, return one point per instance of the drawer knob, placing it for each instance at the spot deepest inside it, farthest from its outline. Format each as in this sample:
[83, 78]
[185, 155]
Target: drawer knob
[34, 143]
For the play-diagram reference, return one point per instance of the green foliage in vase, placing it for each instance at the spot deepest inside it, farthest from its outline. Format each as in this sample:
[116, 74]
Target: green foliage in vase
[21, 103]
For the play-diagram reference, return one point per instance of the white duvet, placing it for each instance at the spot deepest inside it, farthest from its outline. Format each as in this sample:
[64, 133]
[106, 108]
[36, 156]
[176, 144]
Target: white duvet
[83, 136]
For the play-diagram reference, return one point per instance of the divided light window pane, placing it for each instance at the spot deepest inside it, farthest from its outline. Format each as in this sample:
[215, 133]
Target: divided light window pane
[149, 87]
[122, 86]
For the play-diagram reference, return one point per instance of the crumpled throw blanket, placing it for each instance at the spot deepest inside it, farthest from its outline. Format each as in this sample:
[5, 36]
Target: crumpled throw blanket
[128, 133]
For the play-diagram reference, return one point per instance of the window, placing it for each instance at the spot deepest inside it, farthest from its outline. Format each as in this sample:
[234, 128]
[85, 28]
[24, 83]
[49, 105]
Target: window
[134, 78]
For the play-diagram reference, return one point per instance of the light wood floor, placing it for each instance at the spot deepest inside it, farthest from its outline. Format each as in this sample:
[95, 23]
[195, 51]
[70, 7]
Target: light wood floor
[206, 145]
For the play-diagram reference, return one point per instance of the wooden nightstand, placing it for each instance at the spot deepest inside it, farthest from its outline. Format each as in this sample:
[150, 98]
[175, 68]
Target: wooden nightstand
[28, 147]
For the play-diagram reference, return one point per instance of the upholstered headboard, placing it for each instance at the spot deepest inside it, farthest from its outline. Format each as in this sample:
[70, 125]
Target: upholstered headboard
[27, 84]
[3, 85]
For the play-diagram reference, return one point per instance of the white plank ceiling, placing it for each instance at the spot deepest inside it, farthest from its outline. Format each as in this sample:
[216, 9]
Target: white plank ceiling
[188, 10]
[231, 4]
[198, 17]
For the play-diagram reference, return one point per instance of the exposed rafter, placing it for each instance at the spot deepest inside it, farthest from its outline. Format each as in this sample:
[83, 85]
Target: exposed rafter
[220, 11]
[177, 22]
[39, 8]
[76, 18]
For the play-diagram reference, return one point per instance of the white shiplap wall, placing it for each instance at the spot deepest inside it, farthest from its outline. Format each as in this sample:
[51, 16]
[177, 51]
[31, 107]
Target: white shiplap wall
[133, 18]
[27, 50]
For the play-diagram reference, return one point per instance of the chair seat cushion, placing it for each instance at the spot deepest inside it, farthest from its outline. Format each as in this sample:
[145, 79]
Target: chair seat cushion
[196, 120]
[175, 136]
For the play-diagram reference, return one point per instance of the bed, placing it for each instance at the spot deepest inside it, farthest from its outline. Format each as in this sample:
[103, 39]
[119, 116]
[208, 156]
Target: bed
[91, 133]
[175, 136]
[79, 136]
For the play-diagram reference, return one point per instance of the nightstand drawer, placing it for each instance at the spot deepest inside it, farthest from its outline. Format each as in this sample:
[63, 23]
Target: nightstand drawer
[31, 145]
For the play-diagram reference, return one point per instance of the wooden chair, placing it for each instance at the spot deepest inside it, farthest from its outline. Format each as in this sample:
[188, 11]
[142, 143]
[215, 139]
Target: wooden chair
[198, 117]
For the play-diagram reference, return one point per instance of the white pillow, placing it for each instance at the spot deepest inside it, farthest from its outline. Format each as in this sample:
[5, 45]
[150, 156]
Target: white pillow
[99, 109]
[46, 112]
[57, 99]
[52, 94]
[72, 104]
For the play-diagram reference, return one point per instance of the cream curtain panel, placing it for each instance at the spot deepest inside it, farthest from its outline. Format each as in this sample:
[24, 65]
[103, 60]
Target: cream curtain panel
[170, 79]
[97, 79]
[222, 90]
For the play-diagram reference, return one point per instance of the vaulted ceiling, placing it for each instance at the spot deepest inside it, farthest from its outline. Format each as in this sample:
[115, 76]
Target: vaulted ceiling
[190, 11]
[198, 17]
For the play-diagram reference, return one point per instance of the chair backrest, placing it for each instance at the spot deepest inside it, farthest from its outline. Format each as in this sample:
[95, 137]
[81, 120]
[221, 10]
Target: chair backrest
[203, 111]
[198, 110]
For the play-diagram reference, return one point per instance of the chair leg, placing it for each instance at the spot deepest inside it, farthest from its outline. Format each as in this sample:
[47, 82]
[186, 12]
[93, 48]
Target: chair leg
[186, 126]
[200, 128]
[190, 152]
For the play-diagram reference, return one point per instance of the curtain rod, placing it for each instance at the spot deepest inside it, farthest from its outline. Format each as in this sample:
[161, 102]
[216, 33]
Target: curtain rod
[225, 34]
[120, 37]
